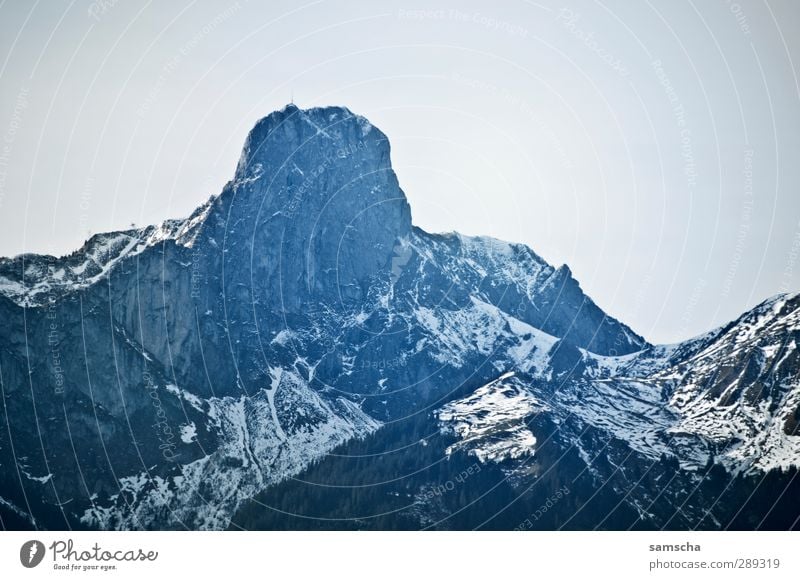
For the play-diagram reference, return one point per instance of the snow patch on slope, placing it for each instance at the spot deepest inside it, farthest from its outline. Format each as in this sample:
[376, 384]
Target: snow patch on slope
[253, 452]
[458, 334]
[491, 422]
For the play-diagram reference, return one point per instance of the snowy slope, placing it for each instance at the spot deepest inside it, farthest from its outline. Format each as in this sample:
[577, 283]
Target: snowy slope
[491, 423]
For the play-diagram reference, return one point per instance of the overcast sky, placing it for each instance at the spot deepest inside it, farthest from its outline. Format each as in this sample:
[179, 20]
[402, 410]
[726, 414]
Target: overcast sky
[652, 146]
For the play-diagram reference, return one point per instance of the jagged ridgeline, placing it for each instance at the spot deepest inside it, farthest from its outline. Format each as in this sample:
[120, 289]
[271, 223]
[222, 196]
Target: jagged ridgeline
[296, 354]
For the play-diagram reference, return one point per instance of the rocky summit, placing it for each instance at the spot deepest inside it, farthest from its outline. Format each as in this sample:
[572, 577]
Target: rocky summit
[296, 354]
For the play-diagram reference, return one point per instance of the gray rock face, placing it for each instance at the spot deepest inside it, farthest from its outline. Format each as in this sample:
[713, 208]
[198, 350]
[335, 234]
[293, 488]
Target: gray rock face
[160, 377]
[310, 188]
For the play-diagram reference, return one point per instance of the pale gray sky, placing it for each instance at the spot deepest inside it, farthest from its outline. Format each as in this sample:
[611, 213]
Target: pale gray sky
[652, 146]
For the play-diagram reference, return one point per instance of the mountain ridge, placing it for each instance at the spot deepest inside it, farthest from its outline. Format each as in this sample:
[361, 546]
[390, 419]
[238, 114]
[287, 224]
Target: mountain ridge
[300, 311]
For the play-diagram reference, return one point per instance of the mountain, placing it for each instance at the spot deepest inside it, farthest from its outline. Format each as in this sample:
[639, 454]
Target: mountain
[296, 354]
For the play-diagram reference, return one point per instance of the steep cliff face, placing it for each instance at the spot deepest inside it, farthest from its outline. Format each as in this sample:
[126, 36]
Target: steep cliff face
[317, 208]
[160, 377]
